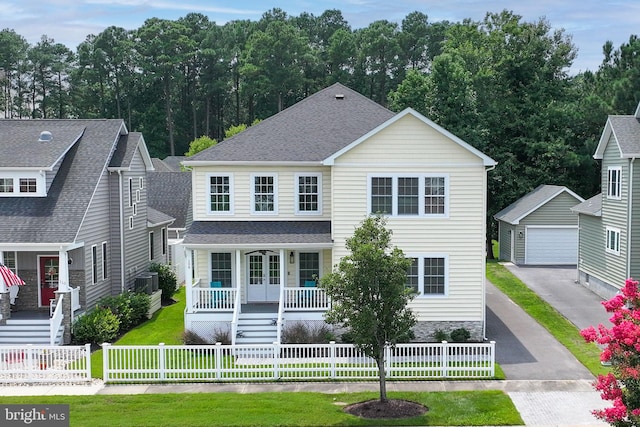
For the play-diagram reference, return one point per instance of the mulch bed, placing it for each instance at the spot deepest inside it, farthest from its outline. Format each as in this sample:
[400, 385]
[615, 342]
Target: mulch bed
[392, 408]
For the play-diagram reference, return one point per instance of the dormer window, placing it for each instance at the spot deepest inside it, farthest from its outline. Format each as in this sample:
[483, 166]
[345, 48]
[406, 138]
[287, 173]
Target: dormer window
[22, 184]
[28, 185]
[6, 185]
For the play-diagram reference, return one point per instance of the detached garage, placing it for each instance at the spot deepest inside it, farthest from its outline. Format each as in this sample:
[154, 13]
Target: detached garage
[539, 228]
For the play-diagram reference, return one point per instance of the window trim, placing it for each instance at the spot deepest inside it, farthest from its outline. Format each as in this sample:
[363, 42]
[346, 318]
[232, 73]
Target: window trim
[616, 185]
[421, 257]
[320, 264]
[615, 232]
[231, 193]
[252, 183]
[105, 263]
[231, 263]
[15, 260]
[296, 191]
[130, 192]
[94, 264]
[151, 246]
[421, 193]
[163, 235]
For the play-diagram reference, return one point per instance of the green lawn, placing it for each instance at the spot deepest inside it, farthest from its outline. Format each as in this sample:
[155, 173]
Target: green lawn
[276, 409]
[561, 328]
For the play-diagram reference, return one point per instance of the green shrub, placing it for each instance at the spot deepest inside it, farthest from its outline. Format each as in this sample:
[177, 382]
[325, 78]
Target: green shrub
[460, 335]
[439, 335]
[302, 333]
[96, 327]
[140, 304]
[120, 305]
[167, 280]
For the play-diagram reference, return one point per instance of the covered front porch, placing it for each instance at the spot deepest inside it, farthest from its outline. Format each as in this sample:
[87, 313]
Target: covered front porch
[273, 280]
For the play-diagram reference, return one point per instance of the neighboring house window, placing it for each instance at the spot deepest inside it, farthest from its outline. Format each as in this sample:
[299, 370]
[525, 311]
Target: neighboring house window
[308, 193]
[613, 241]
[10, 261]
[130, 192]
[309, 268]
[264, 194]
[220, 193]
[137, 195]
[151, 248]
[221, 268]
[141, 183]
[428, 275]
[105, 264]
[614, 182]
[419, 195]
[130, 223]
[164, 241]
[28, 185]
[94, 264]
[135, 209]
[6, 185]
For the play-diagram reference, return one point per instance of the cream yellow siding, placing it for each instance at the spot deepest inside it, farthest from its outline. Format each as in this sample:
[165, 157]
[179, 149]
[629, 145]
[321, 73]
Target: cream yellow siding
[241, 193]
[410, 147]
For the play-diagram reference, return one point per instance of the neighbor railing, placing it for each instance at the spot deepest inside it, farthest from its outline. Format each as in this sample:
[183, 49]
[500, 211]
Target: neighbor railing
[176, 363]
[305, 299]
[55, 321]
[45, 364]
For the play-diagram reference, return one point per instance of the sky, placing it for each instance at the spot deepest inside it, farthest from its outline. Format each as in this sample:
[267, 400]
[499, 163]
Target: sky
[590, 23]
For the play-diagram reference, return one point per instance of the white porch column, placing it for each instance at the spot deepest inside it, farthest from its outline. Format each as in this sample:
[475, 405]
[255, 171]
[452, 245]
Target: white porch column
[283, 269]
[188, 278]
[238, 270]
[63, 271]
[3, 287]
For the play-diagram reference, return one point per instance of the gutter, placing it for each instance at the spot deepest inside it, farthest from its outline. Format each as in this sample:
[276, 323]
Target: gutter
[121, 207]
[629, 216]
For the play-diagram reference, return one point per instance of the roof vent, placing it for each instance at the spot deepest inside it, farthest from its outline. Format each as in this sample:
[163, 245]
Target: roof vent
[45, 136]
[339, 95]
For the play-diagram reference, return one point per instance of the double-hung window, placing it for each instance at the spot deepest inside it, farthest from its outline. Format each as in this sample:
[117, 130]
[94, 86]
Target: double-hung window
[613, 241]
[264, 194]
[309, 268]
[428, 275]
[221, 268]
[308, 194]
[409, 195]
[220, 198]
[614, 182]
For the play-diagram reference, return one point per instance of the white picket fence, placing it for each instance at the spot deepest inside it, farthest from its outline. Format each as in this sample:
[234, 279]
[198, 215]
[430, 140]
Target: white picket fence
[45, 364]
[202, 363]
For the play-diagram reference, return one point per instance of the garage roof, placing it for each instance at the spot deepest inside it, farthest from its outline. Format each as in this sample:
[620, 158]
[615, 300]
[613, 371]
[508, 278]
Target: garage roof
[522, 207]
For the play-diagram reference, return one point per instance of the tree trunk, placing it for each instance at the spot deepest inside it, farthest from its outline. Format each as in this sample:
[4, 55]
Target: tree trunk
[382, 375]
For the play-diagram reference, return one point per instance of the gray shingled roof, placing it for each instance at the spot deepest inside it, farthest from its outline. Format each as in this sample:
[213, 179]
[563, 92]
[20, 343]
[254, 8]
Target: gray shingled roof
[173, 162]
[125, 151]
[170, 192]
[57, 217]
[155, 218]
[627, 132]
[531, 201]
[270, 233]
[592, 206]
[21, 148]
[160, 166]
[309, 131]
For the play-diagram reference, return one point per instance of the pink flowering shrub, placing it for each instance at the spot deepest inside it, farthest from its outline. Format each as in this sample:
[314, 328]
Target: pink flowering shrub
[622, 350]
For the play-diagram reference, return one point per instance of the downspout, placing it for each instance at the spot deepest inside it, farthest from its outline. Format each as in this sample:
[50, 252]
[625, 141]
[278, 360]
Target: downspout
[484, 263]
[629, 216]
[121, 207]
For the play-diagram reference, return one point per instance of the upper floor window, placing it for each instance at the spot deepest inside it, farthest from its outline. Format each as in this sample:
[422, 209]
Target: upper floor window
[428, 275]
[6, 185]
[265, 198]
[614, 182]
[28, 185]
[152, 253]
[613, 241]
[309, 200]
[131, 194]
[418, 195]
[220, 193]
[94, 264]
[105, 261]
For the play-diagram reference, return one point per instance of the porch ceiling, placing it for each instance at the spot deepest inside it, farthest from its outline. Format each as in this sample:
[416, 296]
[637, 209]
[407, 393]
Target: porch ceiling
[259, 232]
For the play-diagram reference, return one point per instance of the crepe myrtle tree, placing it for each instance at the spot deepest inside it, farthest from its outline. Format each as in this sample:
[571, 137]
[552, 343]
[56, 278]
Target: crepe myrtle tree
[369, 293]
[622, 350]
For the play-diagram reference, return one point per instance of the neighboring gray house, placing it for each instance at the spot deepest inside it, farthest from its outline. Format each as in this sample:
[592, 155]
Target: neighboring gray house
[74, 223]
[539, 228]
[610, 222]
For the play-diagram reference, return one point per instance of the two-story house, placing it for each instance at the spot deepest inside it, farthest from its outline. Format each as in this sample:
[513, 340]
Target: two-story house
[609, 223]
[74, 222]
[274, 205]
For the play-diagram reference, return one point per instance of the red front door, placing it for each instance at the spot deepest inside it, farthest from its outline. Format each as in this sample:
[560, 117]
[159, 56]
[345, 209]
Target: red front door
[49, 269]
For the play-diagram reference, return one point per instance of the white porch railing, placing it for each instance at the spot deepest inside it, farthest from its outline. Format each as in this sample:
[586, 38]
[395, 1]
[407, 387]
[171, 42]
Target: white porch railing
[234, 320]
[214, 299]
[75, 299]
[294, 362]
[56, 320]
[45, 364]
[305, 299]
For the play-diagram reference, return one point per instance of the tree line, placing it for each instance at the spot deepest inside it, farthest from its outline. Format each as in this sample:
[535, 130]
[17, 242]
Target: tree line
[501, 84]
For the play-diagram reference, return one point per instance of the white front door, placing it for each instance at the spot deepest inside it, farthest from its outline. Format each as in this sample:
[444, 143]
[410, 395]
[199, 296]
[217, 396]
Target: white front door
[264, 277]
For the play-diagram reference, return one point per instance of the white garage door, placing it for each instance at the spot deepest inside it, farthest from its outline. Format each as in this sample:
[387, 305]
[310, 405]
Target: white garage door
[552, 246]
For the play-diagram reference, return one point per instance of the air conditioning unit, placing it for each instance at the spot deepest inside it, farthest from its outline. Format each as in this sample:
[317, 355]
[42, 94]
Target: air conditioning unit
[144, 284]
[154, 280]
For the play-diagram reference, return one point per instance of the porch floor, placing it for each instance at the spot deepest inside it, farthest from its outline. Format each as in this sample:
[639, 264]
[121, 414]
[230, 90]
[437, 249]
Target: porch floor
[29, 315]
[262, 307]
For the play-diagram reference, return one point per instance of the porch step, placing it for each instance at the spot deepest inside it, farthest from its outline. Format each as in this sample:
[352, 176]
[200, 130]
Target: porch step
[27, 331]
[257, 328]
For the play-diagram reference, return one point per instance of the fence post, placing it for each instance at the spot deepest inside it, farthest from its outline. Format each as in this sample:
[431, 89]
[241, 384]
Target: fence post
[276, 360]
[105, 362]
[332, 350]
[492, 357]
[444, 354]
[161, 361]
[218, 359]
[30, 361]
[87, 360]
[387, 362]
